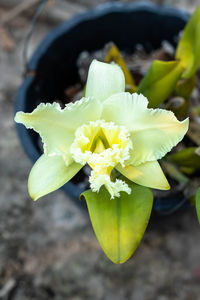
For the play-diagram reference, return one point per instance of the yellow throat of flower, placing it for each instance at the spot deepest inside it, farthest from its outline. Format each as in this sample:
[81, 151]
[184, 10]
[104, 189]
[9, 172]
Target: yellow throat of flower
[103, 146]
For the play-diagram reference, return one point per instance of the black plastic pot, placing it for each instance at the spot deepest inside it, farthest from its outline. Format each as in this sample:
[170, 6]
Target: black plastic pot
[54, 62]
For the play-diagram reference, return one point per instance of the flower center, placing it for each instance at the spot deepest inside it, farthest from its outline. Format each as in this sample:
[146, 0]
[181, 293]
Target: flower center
[102, 145]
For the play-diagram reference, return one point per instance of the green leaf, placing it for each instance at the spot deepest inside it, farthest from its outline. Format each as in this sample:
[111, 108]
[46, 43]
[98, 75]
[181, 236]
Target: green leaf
[198, 203]
[160, 81]
[188, 50]
[186, 158]
[120, 223]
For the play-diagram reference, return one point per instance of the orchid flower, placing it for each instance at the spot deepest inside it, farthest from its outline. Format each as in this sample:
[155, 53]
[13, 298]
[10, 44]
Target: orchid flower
[107, 129]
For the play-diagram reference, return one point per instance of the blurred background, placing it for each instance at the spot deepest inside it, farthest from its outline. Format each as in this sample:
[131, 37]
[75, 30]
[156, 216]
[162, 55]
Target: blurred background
[48, 249]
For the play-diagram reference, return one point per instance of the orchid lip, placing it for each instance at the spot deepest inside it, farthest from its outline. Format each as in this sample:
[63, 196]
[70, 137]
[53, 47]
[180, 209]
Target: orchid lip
[103, 145]
[103, 141]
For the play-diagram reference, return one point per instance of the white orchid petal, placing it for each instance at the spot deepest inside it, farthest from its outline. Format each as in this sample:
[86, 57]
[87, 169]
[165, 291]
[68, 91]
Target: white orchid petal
[56, 126]
[154, 132]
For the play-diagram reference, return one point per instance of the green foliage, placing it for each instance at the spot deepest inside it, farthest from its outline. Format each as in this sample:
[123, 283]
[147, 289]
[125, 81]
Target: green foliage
[188, 50]
[186, 158]
[160, 81]
[163, 77]
[198, 203]
[120, 223]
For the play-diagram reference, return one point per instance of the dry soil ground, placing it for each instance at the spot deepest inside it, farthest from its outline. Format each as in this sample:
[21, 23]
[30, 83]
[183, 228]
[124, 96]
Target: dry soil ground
[48, 249]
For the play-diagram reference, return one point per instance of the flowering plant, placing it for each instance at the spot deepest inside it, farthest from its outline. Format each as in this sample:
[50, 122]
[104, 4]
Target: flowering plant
[120, 138]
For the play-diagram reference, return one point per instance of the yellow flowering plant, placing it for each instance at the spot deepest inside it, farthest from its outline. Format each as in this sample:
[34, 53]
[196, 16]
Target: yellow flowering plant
[121, 135]
[121, 140]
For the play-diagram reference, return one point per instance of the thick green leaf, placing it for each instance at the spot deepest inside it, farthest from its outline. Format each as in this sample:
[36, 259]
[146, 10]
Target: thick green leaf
[188, 50]
[120, 223]
[160, 81]
[186, 158]
[198, 203]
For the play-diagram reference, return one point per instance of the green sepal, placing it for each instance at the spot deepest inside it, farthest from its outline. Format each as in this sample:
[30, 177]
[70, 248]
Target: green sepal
[50, 173]
[198, 203]
[188, 49]
[160, 81]
[119, 223]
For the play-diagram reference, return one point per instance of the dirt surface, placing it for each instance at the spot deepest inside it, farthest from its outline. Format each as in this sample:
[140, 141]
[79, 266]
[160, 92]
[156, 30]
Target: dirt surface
[48, 249]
